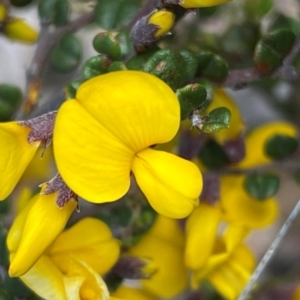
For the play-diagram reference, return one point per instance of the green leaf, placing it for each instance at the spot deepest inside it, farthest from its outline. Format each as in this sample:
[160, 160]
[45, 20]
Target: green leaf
[272, 48]
[190, 97]
[126, 12]
[15, 287]
[138, 61]
[258, 8]
[115, 14]
[216, 120]
[167, 65]
[123, 38]
[117, 66]
[281, 146]
[212, 155]
[4, 259]
[95, 65]
[20, 3]
[61, 12]
[262, 186]
[4, 295]
[67, 54]
[122, 215]
[297, 177]
[191, 63]
[54, 11]
[211, 66]
[105, 43]
[10, 99]
[71, 89]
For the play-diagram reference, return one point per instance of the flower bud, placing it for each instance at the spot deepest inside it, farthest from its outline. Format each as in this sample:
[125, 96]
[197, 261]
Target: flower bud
[17, 29]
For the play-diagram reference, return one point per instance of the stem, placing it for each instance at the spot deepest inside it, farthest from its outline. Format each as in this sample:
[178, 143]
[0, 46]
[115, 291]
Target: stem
[238, 78]
[290, 58]
[270, 252]
[146, 9]
[288, 165]
[49, 39]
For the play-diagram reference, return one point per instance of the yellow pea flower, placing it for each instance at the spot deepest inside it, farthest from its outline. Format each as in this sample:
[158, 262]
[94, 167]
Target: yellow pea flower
[228, 264]
[17, 29]
[16, 154]
[89, 240]
[71, 265]
[257, 139]
[81, 282]
[107, 132]
[200, 3]
[165, 247]
[41, 220]
[230, 278]
[164, 19]
[239, 207]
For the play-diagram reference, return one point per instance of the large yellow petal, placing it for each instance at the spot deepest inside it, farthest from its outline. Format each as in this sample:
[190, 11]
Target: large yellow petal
[45, 280]
[90, 159]
[15, 233]
[138, 108]
[171, 184]
[240, 208]
[89, 240]
[201, 232]
[43, 224]
[16, 153]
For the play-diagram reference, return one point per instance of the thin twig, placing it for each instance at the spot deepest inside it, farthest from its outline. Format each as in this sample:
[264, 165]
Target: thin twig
[146, 9]
[290, 58]
[288, 165]
[238, 78]
[49, 39]
[271, 251]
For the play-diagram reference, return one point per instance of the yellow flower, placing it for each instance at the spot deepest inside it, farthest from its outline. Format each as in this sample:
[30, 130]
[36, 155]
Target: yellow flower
[81, 282]
[164, 19]
[17, 29]
[163, 244]
[34, 229]
[257, 140]
[106, 133]
[16, 153]
[70, 266]
[239, 207]
[227, 263]
[230, 277]
[200, 3]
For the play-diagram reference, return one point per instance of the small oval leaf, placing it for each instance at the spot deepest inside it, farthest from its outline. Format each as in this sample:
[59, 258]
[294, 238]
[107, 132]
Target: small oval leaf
[216, 120]
[280, 146]
[262, 186]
